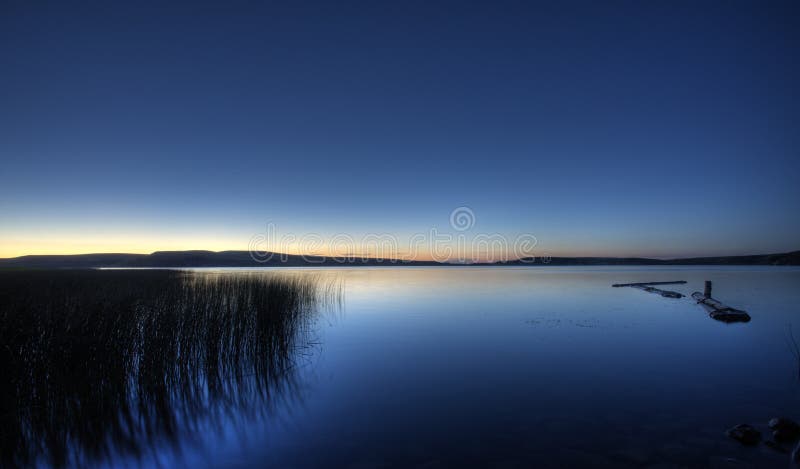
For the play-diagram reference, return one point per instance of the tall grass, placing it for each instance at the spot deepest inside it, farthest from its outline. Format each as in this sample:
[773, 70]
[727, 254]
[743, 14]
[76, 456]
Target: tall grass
[101, 363]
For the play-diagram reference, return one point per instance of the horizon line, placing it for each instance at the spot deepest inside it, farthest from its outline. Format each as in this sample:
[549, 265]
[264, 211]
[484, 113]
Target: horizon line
[398, 259]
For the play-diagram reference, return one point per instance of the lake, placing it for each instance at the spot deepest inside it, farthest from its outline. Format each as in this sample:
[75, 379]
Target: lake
[460, 366]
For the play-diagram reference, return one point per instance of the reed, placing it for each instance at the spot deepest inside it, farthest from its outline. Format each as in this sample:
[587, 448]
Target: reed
[98, 363]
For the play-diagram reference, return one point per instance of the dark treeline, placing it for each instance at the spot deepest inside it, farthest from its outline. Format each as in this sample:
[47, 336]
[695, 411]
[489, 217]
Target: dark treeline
[167, 259]
[97, 363]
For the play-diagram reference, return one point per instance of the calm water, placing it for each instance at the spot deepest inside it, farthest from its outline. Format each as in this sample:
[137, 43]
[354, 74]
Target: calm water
[509, 367]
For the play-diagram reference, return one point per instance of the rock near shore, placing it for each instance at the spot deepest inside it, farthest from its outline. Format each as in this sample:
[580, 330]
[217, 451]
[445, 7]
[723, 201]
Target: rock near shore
[784, 430]
[744, 434]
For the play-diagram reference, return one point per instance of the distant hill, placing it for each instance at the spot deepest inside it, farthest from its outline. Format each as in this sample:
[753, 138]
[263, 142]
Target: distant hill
[189, 259]
[788, 258]
[243, 259]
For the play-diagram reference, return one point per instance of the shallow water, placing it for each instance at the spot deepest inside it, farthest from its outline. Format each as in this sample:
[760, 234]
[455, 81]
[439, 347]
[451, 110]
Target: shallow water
[513, 367]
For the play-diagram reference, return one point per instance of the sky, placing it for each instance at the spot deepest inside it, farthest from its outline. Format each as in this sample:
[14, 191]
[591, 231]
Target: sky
[662, 129]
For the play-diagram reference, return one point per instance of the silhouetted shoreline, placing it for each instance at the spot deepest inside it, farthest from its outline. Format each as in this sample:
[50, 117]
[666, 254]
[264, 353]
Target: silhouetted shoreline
[182, 259]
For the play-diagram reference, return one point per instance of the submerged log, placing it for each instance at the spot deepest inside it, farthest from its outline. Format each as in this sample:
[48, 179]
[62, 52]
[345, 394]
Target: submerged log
[719, 311]
[664, 293]
[646, 284]
[648, 287]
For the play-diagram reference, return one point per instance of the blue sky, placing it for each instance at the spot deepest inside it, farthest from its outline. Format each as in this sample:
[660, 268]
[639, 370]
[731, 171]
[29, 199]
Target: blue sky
[602, 128]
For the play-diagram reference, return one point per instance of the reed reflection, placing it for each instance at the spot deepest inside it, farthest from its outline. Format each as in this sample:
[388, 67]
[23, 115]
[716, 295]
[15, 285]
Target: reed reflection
[100, 364]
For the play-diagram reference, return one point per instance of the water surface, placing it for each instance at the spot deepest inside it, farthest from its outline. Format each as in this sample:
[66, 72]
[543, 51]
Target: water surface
[513, 367]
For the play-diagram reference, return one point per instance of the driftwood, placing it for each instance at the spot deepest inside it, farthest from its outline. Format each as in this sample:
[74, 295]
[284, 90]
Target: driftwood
[647, 284]
[719, 311]
[664, 293]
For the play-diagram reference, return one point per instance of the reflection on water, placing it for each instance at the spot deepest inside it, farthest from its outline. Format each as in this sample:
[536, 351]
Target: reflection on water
[425, 367]
[112, 364]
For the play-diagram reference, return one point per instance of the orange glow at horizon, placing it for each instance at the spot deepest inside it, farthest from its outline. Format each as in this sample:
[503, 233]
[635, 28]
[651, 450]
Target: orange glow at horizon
[146, 243]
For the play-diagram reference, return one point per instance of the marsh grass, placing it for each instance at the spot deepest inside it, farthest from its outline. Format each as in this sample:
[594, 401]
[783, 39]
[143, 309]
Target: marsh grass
[102, 363]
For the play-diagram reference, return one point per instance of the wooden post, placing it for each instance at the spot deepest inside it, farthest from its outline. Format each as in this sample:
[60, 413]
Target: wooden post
[707, 290]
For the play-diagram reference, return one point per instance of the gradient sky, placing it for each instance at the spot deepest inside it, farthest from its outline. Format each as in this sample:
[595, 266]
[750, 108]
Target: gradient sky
[603, 128]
